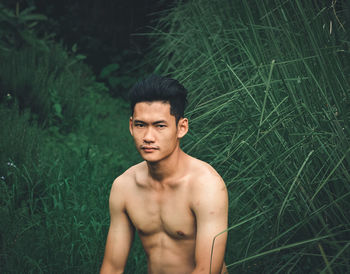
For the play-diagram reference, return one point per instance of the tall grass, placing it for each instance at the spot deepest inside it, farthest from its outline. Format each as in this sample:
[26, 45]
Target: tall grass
[54, 189]
[49, 83]
[270, 110]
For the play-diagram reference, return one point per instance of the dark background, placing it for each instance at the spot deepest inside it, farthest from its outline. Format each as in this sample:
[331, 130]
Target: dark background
[106, 31]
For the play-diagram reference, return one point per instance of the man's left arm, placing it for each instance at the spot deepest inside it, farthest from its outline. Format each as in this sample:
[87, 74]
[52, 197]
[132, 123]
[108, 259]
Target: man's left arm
[210, 205]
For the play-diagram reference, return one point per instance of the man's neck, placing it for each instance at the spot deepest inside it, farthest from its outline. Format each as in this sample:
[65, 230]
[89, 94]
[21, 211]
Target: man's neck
[168, 167]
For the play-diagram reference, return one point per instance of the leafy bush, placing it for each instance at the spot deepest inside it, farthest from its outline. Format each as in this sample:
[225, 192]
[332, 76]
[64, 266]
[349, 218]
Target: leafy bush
[18, 28]
[269, 109]
[50, 83]
[48, 79]
[125, 70]
[55, 175]
[54, 189]
[20, 141]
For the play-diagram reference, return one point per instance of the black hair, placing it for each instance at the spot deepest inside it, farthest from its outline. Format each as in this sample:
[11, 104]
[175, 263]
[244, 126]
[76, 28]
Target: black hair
[159, 88]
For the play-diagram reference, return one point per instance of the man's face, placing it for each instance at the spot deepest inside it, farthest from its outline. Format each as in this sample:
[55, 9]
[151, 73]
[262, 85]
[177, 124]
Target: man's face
[154, 130]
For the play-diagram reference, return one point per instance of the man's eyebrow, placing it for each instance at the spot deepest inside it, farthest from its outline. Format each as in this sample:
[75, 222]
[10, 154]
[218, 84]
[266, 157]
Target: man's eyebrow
[139, 121]
[159, 122]
[154, 123]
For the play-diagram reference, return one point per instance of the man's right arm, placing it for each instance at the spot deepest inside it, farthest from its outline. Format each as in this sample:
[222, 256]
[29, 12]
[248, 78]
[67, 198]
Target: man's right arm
[120, 234]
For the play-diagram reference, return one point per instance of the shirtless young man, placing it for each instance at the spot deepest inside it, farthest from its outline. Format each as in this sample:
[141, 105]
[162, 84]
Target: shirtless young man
[177, 204]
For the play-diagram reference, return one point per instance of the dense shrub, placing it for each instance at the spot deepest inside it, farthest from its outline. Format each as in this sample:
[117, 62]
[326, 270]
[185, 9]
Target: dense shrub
[49, 83]
[63, 141]
[20, 139]
[18, 28]
[40, 74]
[54, 189]
[269, 109]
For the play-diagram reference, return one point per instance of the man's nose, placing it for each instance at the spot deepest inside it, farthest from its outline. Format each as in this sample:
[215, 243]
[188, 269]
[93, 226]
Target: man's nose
[149, 136]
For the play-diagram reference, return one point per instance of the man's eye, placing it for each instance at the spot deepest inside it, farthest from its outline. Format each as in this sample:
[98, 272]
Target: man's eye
[139, 125]
[161, 126]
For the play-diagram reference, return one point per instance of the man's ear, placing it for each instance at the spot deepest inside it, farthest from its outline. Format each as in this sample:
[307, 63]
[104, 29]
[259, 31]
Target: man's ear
[182, 127]
[130, 126]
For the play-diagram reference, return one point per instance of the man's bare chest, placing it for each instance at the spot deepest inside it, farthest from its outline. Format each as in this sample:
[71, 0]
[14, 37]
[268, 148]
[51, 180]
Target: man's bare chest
[152, 212]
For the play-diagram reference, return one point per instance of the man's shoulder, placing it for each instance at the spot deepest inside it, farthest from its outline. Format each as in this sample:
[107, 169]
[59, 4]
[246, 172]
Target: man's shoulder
[204, 175]
[121, 189]
[206, 187]
[130, 175]
[201, 169]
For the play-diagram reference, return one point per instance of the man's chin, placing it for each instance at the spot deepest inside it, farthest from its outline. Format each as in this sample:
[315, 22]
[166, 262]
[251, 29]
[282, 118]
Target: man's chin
[150, 157]
[152, 162]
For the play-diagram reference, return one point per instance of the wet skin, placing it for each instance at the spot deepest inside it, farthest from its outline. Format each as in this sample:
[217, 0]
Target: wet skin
[176, 202]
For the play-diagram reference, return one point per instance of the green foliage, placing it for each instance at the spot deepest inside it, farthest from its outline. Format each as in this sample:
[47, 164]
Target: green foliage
[54, 188]
[18, 28]
[47, 79]
[20, 141]
[115, 81]
[119, 78]
[107, 70]
[50, 83]
[269, 109]
[63, 141]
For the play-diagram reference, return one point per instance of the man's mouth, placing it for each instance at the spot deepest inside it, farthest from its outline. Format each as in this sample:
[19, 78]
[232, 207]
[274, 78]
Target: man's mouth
[149, 148]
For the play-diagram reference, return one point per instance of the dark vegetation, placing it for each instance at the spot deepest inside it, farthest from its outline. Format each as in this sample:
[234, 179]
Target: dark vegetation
[269, 109]
[106, 33]
[63, 141]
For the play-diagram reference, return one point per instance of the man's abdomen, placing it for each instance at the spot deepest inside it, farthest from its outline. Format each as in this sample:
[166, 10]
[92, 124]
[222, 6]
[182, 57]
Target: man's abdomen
[168, 255]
